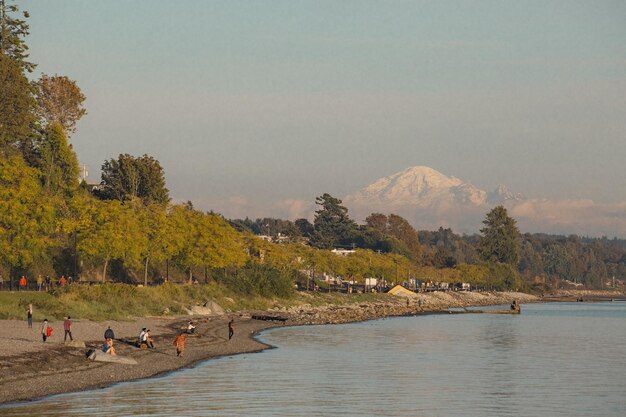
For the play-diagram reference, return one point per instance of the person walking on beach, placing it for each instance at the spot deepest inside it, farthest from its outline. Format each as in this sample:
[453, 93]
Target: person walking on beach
[67, 326]
[231, 331]
[46, 330]
[29, 316]
[180, 342]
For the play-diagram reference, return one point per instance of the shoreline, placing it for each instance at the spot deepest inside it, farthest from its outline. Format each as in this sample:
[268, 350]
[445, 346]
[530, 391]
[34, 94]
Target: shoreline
[32, 370]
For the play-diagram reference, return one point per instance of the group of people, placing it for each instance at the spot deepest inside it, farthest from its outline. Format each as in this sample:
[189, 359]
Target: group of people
[46, 329]
[43, 283]
[145, 339]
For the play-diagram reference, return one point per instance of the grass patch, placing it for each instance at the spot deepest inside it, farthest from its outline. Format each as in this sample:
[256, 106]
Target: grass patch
[101, 302]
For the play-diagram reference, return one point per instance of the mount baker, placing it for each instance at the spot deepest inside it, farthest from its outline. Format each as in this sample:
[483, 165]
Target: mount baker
[429, 199]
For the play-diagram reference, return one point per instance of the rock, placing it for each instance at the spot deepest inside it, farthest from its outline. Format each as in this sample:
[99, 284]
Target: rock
[209, 308]
[75, 343]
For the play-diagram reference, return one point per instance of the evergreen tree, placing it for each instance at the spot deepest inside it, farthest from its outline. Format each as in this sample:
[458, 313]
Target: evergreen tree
[16, 106]
[332, 226]
[500, 238]
[12, 31]
[57, 161]
[129, 177]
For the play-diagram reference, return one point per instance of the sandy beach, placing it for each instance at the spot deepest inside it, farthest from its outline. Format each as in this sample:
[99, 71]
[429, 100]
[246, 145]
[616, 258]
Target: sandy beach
[31, 369]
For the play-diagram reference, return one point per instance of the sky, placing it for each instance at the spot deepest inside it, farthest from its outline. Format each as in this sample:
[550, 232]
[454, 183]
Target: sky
[254, 108]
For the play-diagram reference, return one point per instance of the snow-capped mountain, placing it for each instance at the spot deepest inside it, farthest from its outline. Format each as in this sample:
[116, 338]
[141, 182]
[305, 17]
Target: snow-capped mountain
[420, 186]
[427, 198]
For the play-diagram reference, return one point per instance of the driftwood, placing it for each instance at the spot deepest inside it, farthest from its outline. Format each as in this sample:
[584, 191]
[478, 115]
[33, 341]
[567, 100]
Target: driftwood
[501, 311]
[269, 318]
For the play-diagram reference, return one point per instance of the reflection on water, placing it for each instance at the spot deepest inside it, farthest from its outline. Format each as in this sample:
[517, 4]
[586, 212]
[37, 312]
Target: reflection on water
[553, 360]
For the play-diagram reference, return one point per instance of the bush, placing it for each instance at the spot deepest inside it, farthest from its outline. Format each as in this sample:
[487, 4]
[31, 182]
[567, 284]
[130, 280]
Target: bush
[261, 280]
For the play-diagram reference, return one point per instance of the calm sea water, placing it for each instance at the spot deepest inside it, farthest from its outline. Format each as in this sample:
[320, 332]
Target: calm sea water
[562, 359]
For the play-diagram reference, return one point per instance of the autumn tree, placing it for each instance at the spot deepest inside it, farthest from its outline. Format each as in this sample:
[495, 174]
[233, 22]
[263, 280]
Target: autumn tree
[397, 227]
[500, 238]
[129, 177]
[59, 100]
[204, 240]
[159, 240]
[26, 219]
[111, 233]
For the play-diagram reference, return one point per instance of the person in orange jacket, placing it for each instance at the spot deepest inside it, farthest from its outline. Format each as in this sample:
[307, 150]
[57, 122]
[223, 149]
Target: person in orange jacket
[23, 283]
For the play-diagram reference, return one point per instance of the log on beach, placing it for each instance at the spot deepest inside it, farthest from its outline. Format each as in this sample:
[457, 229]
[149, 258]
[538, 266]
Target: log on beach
[500, 311]
[269, 318]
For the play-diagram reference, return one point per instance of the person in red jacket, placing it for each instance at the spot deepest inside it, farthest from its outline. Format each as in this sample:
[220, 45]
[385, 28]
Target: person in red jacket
[23, 283]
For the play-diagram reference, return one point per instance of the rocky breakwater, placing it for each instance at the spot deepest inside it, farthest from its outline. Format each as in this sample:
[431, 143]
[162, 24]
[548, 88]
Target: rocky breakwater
[435, 302]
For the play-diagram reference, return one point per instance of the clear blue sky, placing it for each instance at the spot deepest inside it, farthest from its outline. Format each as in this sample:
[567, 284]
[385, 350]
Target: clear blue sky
[252, 102]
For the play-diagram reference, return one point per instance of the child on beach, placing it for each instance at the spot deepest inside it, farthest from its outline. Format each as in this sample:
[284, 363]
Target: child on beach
[46, 330]
[180, 342]
[108, 347]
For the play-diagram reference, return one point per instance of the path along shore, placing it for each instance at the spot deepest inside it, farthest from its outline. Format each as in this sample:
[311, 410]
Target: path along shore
[31, 369]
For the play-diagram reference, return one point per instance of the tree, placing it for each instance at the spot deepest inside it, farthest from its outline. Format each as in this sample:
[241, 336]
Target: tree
[57, 161]
[129, 177]
[111, 232]
[12, 30]
[399, 228]
[377, 221]
[16, 105]
[305, 227]
[204, 240]
[332, 226]
[59, 101]
[500, 238]
[26, 220]
[157, 242]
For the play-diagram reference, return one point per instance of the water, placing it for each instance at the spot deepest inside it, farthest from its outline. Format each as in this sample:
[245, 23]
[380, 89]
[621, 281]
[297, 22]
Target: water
[563, 359]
